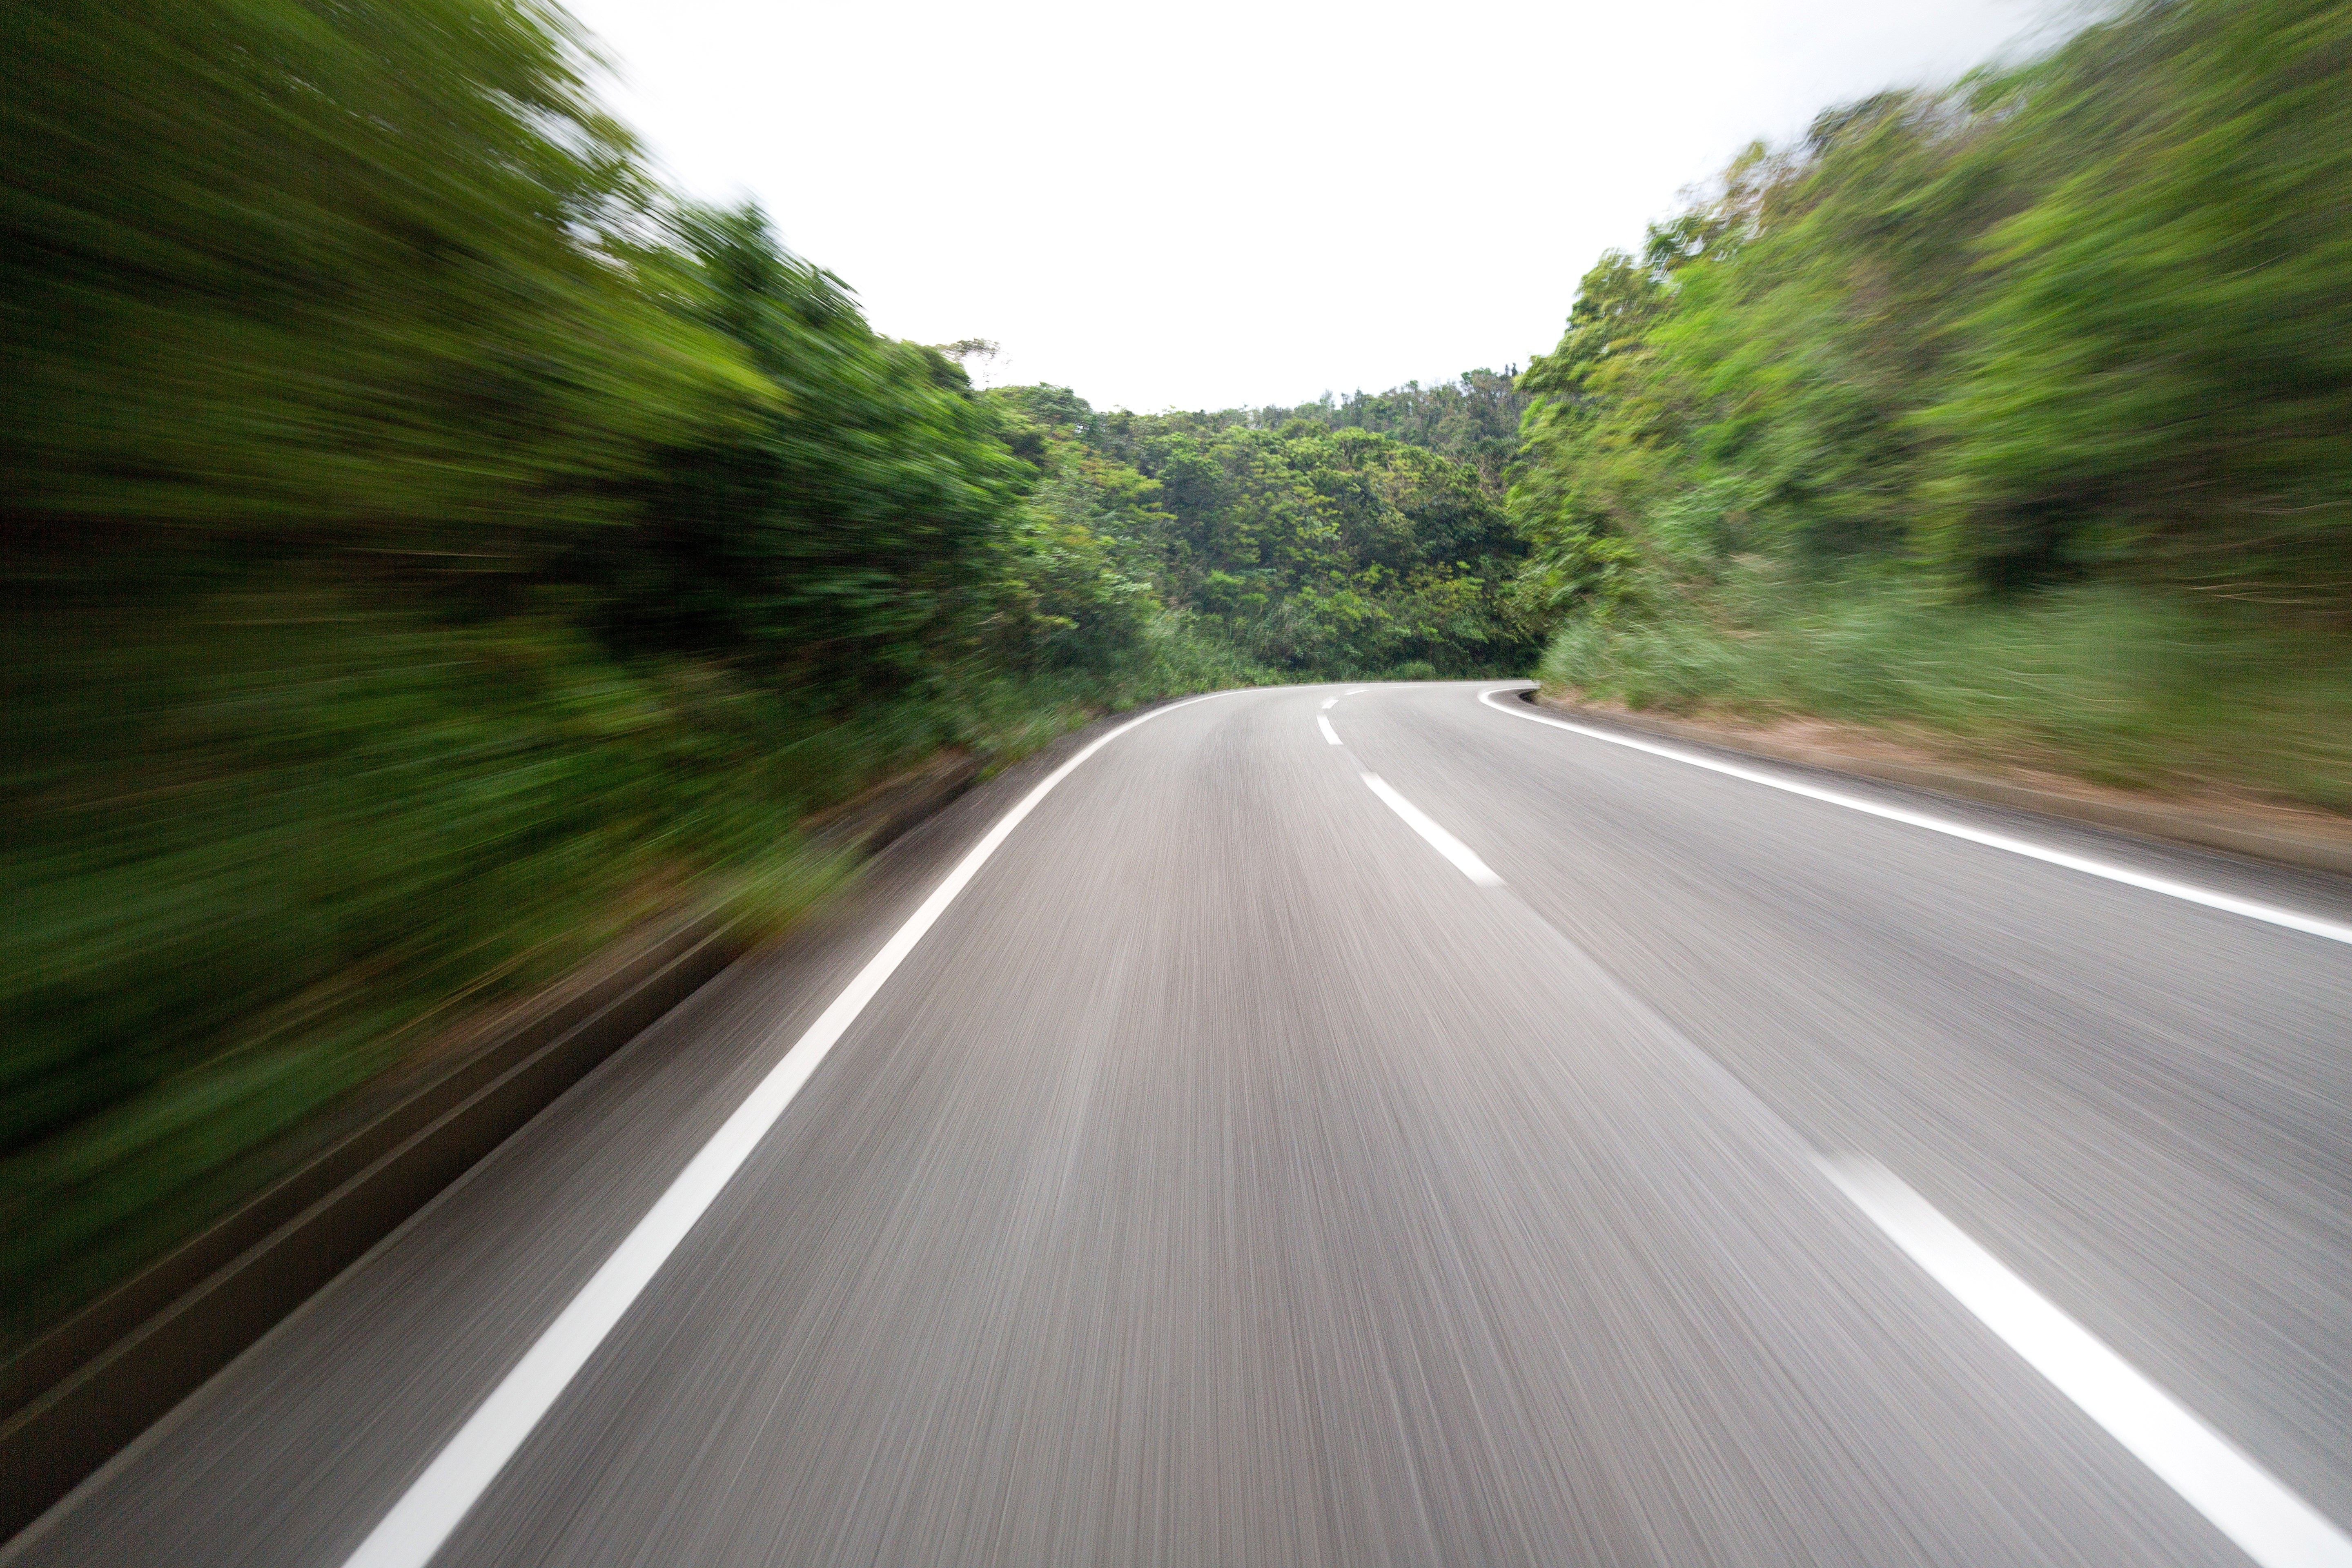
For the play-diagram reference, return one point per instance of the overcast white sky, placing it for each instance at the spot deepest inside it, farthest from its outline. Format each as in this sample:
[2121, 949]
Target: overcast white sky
[1224, 204]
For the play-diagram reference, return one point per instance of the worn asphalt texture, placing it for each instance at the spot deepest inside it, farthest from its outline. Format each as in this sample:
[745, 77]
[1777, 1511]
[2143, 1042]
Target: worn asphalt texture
[1227, 1179]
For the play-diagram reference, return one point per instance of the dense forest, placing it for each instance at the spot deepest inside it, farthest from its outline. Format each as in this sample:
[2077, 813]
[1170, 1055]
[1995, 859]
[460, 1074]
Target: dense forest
[1473, 418]
[1316, 547]
[434, 547]
[2017, 412]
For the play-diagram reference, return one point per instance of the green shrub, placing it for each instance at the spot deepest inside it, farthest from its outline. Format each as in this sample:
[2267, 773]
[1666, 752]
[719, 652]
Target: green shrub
[2121, 685]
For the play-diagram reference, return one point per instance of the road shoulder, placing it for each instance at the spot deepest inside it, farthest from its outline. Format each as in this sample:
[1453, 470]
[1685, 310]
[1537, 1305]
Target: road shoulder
[2306, 841]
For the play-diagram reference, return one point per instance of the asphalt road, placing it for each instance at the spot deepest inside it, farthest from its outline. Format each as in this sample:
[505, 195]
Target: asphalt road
[1227, 1177]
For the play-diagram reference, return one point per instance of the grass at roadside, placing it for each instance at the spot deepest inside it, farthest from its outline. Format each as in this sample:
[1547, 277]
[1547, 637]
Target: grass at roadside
[2120, 686]
[265, 838]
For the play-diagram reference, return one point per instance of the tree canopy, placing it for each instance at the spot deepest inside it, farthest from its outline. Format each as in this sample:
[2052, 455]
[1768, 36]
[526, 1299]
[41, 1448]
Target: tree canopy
[1311, 548]
[2086, 317]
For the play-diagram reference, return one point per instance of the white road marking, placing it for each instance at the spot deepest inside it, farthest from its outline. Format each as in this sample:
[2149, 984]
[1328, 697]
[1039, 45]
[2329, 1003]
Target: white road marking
[2310, 925]
[1329, 734]
[1444, 843]
[2245, 1502]
[1353, 690]
[2269, 1522]
[439, 1498]
[1329, 702]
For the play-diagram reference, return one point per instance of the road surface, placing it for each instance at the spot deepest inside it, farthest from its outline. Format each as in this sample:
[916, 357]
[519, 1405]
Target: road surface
[1250, 1165]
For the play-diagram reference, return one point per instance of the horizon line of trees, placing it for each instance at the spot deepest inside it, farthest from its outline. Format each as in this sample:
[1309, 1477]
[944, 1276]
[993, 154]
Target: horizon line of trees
[1309, 548]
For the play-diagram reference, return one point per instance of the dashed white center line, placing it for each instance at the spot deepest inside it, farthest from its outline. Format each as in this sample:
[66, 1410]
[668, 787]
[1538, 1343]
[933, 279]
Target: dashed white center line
[1329, 734]
[1328, 703]
[1353, 690]
[2246, 1503]
[1444, 843]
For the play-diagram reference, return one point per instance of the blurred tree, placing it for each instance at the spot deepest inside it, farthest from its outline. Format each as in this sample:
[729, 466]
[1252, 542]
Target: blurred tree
[2159, 372]
[351, 270]
[827, 536]
[1314, 548]
[2090, 316]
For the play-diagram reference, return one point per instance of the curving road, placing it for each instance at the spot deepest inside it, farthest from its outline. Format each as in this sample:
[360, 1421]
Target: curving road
[1560, 1153]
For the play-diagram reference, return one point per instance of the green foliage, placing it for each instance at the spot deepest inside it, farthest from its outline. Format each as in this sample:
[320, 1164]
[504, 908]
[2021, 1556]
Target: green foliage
[2159, 370]
[432, 549]
[1311, 550]
[2104, 680]
[1069, 594]
[263, 844]
[353, 271]
[2087, 321]
[826, 538]
[1473, 418]
[2091, 316]
[258, 838]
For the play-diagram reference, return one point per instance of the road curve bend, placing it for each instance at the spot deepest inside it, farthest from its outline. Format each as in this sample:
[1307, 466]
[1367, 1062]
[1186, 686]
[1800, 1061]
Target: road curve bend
[1339, 1126]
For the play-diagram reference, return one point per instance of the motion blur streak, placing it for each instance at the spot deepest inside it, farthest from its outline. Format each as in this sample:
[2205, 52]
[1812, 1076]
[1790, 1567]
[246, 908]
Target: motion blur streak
[1444, 843]
[2277, 1529]
[1224, 1178]
[440, 562]
[417, 1525]
[2172, 888]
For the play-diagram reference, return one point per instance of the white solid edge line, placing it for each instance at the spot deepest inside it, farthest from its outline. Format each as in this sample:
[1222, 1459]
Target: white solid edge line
[2245, 1501]
[439, 1498]
[2310, 925]
[1329, 734]
[1444, 843]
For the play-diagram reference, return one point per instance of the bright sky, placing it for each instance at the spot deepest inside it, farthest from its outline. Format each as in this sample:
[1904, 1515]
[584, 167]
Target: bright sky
[1222, 203]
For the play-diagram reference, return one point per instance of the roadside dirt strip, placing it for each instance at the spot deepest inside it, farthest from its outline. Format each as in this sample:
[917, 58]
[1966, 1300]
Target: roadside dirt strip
[2257, 837]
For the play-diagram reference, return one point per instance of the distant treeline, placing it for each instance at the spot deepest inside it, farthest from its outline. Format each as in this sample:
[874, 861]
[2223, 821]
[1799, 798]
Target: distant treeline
[1314, 548]
[2071, 339]
[1473, 418]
